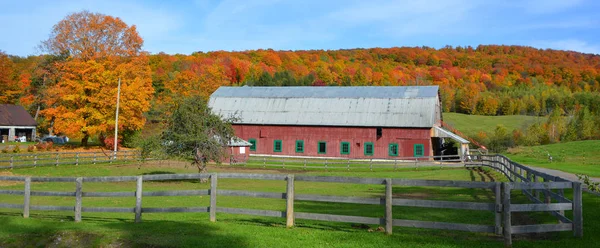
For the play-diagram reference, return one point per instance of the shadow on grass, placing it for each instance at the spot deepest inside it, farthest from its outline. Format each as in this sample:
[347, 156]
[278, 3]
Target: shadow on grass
[158, 173]
[61, 231]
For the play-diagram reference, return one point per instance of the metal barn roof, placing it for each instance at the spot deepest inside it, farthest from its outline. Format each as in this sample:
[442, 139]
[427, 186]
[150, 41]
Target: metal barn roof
[391, 106]
[14, 115]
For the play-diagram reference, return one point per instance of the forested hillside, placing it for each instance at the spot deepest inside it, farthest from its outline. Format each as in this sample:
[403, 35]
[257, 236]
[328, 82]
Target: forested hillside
[487, 80]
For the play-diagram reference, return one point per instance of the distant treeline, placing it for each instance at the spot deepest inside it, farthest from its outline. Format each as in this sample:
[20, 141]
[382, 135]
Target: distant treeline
[487, 80]
[582, 125]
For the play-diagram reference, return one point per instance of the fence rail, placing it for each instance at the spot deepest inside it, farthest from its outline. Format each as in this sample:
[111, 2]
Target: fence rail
[350, 163]
[502, 207]
[21, 160]
[541, 189]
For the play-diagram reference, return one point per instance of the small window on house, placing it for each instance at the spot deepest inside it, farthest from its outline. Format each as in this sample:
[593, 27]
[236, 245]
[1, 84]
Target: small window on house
[253, 146]
[322, 146]
[419, 150]
[345, 148]
[299, 145]
[379, 132]
[393, 149]
[369, 149]
[277, 146]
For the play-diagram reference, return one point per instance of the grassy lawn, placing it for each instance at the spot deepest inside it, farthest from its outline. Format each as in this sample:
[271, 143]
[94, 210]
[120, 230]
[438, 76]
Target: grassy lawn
[470, 125]
[54, 228]
[579, 157]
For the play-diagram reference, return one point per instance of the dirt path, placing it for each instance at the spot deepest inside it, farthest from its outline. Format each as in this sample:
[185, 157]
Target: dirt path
[565, 175]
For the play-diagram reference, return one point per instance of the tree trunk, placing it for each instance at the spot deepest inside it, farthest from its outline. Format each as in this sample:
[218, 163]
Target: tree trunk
[200, 162]
[84, 140]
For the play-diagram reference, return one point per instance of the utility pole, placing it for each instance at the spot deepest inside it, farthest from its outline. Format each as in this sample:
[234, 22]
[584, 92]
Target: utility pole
[117, 118]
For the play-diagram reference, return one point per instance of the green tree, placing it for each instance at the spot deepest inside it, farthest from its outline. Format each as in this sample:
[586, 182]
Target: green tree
[194, 133]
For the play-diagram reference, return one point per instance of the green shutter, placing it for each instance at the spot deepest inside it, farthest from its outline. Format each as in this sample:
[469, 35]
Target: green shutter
[299, 146]
[322, 147]
[369, 149]
[393, 149]
[345, 148]
[277, 146]
[419, 150]
[253, 146]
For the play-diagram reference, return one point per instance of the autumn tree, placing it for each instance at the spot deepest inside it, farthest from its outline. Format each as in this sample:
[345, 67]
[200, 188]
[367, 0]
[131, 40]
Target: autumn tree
[9, 89]
[101, 50]
[86, 35]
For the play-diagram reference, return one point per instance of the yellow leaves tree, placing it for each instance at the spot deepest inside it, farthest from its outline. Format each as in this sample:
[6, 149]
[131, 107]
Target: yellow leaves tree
[9, 85]
[102, 49]
[88, 36]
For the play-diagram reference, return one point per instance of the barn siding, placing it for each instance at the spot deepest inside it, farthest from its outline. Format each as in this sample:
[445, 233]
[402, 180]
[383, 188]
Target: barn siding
[265, 135]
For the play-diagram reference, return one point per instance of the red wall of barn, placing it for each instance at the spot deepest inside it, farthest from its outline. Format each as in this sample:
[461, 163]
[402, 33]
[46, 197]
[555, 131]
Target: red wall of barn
[265, 135]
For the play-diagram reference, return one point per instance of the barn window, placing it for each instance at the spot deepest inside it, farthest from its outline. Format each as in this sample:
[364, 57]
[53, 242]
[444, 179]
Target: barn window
[379, 132]
[299, 145]
[322, 147]
[277, 146]
[393, 149]
[345, 148]
[369, 149]
[419, 150]
[253, 146]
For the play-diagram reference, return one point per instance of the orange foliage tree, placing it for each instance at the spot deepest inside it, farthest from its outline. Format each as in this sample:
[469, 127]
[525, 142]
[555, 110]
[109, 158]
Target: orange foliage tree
[102, 49]
[8, 87]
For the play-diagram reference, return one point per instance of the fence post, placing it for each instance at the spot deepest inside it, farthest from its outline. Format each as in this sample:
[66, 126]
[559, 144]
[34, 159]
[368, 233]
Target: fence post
[138, 200]
[283, 161]
[304, 164]
[264, 162]
[537, 192]
[213, 198]
[94, 157]
[27, 197]
[56, 158]
[389, 219]
[325, 164]
[289, 197]
[506, 214]
[348, 165]
[35, 161]
[395, 164]
[561, 192]
[498, 217]
[77, 159]
[11, 162]
[547, 193]
[78, 194]
[371, 164]
[577, 210]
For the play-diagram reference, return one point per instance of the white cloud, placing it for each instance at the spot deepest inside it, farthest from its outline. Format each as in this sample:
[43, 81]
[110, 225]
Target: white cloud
[569, 45]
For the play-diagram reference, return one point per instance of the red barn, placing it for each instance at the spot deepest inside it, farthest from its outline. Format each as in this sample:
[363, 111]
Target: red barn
[354, 122]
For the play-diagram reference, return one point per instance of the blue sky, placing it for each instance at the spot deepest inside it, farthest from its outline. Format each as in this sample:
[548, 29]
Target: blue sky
[204, 25]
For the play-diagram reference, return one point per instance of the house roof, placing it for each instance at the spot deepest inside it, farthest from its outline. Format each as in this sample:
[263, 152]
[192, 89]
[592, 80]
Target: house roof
[14, 115]
[387, 106]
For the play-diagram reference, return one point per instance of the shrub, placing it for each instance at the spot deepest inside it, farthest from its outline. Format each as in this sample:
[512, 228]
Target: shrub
[5, 149]
[31, 148]
[109, 143]
[17, 149]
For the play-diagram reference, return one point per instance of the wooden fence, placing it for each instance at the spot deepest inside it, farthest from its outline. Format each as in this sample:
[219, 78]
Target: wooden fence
[502, 207]
[21, 160]
[541, 189]
[351, 164]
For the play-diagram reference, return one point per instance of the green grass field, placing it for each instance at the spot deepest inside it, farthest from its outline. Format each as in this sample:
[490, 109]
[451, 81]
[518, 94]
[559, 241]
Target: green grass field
[57, 229]
[578, 157]
[470, 125]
